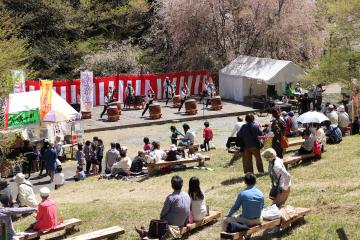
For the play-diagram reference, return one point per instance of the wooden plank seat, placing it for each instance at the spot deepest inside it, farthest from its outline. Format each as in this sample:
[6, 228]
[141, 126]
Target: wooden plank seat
[106, 233]
[297, 158]
[214, 216]
[162, 164]
[296, 142]
[68, 225]
[267, 225]
[191, 149]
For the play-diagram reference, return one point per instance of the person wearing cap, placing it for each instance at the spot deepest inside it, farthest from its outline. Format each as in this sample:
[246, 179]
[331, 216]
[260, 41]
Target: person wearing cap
[280, 178]
[138, 163]
[5, 218]
[157, 154]
[112, 156]
[129, 93]
[26, 196]
[189, 137]
[5, 194]
[251, 199]
[50, 156]
[172, 154]
[46, 218]
[122, 167]
[333, 115]
[344, 119]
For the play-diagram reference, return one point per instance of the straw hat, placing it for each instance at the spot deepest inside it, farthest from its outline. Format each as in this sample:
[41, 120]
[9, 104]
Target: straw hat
[44, 192]
[269, 154]
[20, 178]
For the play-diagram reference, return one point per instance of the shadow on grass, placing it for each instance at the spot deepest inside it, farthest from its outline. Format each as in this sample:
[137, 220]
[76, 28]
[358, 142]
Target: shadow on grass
[304, 163]
[233, 181]
[234, 158]
[42, 183]
[162, 172]
[188, 234]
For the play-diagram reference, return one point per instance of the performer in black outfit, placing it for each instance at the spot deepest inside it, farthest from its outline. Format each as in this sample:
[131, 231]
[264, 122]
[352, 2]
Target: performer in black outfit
[129, 92]
[204, 90]
[109, 98]
[169, 90]
[150, 99]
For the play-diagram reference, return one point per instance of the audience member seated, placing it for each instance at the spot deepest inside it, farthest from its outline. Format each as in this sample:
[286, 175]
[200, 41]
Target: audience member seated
[5, 217]
[122, 167]
[138, 163]
[147, 145]
[234, 132]
[279, 176]
[189, 137]
[308, 145]
[344, 119]
[333, 115]
[333, 133]
[318, 132]
[80, 174]
[173, 154]
[198, 203]
[5, 194]
[294, 125]
[157, 154]
[355, 128]
[112, 156]
[59, 178]
[251, 200]
[26, 196]
[175, 211]
[174, 135]
[46, 216]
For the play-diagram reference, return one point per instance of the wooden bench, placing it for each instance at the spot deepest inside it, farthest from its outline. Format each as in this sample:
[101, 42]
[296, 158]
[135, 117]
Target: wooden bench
[298, 158]
[296, 142]
[68, 225]
[191, 149]
[163, 164]
[267, 225]
[213, 217]
[107, 233]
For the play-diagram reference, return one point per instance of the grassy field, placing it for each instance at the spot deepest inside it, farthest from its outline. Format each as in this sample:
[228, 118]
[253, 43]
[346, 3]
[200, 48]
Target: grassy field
[330, 187]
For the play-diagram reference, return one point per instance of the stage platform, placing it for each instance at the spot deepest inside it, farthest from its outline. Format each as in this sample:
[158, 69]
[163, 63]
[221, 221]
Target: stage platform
[132, 118]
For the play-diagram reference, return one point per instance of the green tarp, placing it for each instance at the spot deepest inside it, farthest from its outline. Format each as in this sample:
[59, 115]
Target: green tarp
[23, 118]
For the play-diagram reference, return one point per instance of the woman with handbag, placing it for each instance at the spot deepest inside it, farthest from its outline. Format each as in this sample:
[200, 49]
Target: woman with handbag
[280, 178]
[278, 128]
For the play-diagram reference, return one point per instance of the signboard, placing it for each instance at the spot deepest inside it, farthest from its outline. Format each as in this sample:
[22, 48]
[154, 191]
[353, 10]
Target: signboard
[18, 77]
[86, 91]
[45, 97]
[23, 118]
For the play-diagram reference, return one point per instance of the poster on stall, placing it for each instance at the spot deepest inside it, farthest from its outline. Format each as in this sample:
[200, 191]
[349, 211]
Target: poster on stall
[45, 97]
[20, 119]
[18, 77]
[86, 91]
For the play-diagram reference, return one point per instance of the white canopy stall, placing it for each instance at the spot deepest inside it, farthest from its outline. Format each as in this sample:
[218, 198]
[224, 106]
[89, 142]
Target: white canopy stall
[246, 76]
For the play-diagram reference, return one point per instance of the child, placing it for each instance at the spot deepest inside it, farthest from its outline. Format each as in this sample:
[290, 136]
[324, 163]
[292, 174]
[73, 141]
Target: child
[208, 136]
[80, 175]
[198, 204]
[100, 154]
[147, 145]
[88, 153]
[307, 146]
[80, 156]
[174, 135]
[59, 178]
[94, 161]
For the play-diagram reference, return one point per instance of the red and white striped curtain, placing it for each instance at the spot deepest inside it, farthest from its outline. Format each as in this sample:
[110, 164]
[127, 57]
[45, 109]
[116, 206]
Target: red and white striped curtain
[70, 89]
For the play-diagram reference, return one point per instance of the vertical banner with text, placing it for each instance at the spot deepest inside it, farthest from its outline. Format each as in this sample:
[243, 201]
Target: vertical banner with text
[45, 97]
[18, 77]
[86, 91]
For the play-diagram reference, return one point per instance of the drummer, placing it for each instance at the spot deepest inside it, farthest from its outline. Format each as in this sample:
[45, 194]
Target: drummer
[210, 93]
[204, 90]
[109, 98]
[184, 94]
[169, 89]
[149, 100]
[129, 92]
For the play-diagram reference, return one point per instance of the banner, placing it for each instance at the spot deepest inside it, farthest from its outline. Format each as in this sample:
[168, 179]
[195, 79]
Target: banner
[21, 119]
[86, 91]
[18, 77]
[45, 97]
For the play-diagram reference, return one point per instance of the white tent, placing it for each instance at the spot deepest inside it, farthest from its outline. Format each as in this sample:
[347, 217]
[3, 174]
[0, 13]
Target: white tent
[245, 73]
[21, 102]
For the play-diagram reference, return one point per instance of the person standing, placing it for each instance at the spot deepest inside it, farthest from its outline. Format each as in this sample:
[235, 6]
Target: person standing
[100, 154]
[129, 93]
[279, 176]
[169, 90]
[50, 161]
[204, 92]
[319, 91]
[30, 153]
[210, 93]
[88, 155]
[304, 103]
[312, 97]
[109, 98]
[112, 156]
[249, 136]
[150, 99]
[355, 128]
[278, 128]
[42, 158]
[251, 199]
[207, 135]
[80, 156]
[184, 94]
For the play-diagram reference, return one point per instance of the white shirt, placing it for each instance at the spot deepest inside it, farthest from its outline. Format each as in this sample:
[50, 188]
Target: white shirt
[26, 195]
[190, 135]
[124, 163]
[333, 117]
[183, 94]
[198, 209]
[59, 179]
[294, 124]
[320, 136]
[344, 120]
[279, 168]
[237, 128]
[158, 155]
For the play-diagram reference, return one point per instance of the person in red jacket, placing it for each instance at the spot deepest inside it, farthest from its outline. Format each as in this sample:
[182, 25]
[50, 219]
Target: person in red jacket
[208, 136]
[46, 216]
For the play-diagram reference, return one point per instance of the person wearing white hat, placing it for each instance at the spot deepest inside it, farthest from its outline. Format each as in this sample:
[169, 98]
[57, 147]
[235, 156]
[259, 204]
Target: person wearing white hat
[26, 196]
[46, 218]
[280, 178]
[344, 119]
